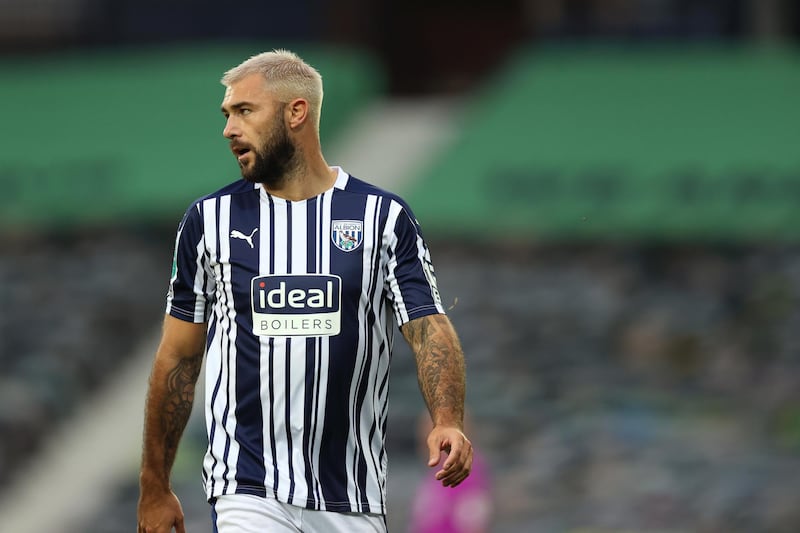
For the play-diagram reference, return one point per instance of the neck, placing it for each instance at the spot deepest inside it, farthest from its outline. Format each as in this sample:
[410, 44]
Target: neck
[310, 177]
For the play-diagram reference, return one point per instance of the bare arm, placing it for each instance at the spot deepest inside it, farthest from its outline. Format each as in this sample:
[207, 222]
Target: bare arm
[169, 403]
[442, 380]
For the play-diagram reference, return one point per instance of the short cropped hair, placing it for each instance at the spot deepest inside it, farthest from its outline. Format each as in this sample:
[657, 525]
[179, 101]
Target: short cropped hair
[286, 74]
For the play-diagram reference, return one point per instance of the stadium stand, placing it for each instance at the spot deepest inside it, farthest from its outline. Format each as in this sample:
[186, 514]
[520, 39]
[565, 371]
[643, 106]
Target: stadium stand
[73, 308]
[125, 124]
[94, 184]
[614, 389]
[656, 142]
[628, 371]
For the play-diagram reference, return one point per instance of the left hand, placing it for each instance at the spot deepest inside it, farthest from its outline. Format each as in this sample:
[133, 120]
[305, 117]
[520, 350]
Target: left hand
[458, 461]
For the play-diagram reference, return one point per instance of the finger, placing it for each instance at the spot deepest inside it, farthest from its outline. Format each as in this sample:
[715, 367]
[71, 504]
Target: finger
[455, 478]
[460, 451]
[459, 481]
[468, 462]
[446, 476]
[434, 452]
[453, 455]
[450, 481]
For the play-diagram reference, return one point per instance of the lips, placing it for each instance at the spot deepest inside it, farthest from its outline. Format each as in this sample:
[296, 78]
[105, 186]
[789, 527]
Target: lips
[240, 151]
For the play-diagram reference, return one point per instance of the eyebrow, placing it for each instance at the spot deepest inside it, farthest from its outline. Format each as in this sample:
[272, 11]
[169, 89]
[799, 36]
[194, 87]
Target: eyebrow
[234, 107]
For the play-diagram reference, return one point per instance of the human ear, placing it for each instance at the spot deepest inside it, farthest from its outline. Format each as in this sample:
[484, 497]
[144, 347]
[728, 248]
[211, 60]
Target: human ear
[297, 112]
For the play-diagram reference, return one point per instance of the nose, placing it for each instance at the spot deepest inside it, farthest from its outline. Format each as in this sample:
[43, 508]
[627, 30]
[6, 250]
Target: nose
[231, 130]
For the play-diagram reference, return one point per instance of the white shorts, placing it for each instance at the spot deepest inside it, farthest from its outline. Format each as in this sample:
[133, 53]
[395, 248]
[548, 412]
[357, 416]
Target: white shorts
[246, 513]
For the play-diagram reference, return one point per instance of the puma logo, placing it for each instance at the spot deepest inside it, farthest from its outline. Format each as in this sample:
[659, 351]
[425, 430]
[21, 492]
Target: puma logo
[236, 234]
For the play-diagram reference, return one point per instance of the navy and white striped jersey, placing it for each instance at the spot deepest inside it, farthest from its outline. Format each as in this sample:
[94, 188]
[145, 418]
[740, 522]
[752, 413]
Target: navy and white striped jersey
[301, 299]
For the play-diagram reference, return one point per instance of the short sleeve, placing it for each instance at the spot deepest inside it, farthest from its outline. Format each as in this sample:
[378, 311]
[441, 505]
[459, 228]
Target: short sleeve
[410, 275]
[191, 287]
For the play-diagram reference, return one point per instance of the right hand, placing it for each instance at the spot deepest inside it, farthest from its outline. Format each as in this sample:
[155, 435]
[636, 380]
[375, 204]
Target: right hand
[160, 514]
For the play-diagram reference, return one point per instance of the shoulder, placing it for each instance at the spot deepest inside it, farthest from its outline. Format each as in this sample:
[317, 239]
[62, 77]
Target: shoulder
[239, 186]
[397, 213]
[358, 186]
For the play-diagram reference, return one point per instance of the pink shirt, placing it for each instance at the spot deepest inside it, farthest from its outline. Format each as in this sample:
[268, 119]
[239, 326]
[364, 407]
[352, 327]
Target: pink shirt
[464, 509]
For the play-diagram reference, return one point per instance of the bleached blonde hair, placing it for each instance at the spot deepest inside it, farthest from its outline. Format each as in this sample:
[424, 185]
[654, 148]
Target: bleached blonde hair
[286, 74]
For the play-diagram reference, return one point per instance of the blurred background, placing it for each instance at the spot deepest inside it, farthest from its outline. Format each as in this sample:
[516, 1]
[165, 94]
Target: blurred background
[610, 189]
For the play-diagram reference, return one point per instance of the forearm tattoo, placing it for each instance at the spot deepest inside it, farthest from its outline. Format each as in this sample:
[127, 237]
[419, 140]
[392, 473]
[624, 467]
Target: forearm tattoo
[178, 403]
[440, 365]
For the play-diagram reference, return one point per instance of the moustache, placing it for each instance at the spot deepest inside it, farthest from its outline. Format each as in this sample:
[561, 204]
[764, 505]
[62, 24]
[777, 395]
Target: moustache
[239, 147]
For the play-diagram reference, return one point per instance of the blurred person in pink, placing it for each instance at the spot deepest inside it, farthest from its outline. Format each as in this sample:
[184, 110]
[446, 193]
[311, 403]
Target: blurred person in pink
[466, 508]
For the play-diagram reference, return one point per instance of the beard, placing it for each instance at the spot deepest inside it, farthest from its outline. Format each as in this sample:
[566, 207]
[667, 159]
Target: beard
[274, 159]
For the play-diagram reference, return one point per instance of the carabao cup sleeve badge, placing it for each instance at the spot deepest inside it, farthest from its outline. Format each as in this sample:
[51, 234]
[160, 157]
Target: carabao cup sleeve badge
[347, 234]
[297, 305]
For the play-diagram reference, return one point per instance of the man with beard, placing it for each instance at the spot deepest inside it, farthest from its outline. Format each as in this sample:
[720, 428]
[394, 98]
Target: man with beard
[289, 282]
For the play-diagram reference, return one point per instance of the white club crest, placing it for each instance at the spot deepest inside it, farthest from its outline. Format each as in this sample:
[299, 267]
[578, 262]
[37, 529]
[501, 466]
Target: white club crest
[347, 234]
